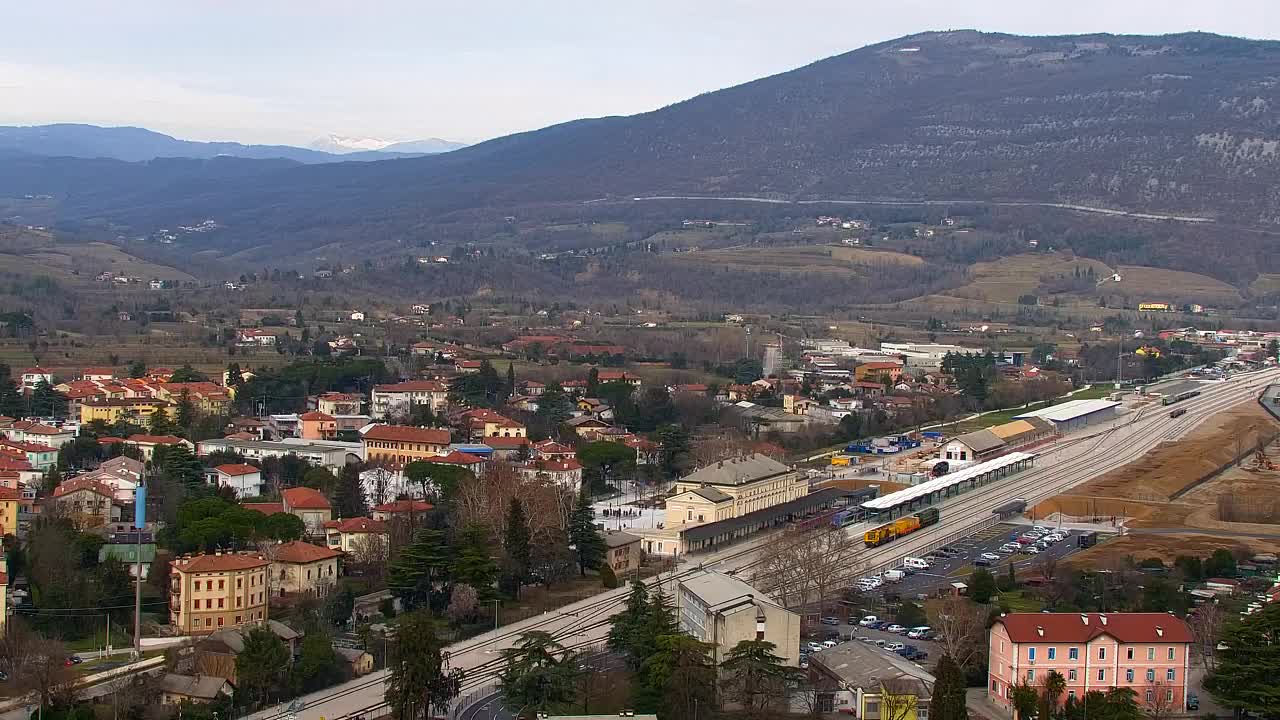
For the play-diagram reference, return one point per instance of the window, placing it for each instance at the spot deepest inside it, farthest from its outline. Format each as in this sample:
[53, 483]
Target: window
[222, 584]
[1071, 694]
[1168, 696]
[1128, 653]
[1170, 653]
[1102, 675]
[208, 622]
[219, 622]
[239, 583]
[208, 604]
[1151, 675]
[873, 707]
[220, 603]
[1102, 653]
[1073, 653]
[1071, 675]
[1169, 674]
[196, 585]
[1031, 676]
[238, 619]
[1031, 653]
[1128, 675]
[1150, 696]
[1053, 653]
[1151, 653]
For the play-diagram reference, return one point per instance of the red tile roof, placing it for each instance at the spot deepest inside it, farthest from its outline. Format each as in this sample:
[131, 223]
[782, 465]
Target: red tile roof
[405, 433]
[36, 428]
[266, 508]
[83, 483]
[357, 525]
[237, 469]
[455, 458]
[30, 446]
[317, 416]
[8, 493]
[108, 440]
[305, 498]
[551, 447]
[1083, 627]
[156, 439]
[218, 563]
[404, 506]
[303, 552]
[414, 386]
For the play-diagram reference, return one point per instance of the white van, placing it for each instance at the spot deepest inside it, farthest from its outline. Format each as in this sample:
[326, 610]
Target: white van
[868, 620]
[916, 563]
[894, 575]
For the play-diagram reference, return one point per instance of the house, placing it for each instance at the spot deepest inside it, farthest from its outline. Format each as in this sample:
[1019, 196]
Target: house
[402, 444]
[211, 592]
[868, 370]
[300, 568]
[483, 423]
[648, 452]
[87, 502]
[533, 388]
[216, 654]
[865, 681]
[41, 457]
[400, 508]
[732, 488]
[508, 448]
[316, 425]
[121, 473]
[309, 505]
[137, 557]
[245, 480]
[467, 367]
[595, 407]
[552, 450]
[357, 316]
[399, 399]
[136, 410]
[722, 611]
[1149, 653]
[357, 535]
[177, 689]
[38, 433]
[457, 458]
[147, 444]
[618, 376]
[587, 427]
[360, 662]
[622, 552]
[974, 446]
[10, 500]
[336, 403]
[98, 374]
[33, 376]
[206, 398]
[422, 349]
[565, 472]
[254, 336]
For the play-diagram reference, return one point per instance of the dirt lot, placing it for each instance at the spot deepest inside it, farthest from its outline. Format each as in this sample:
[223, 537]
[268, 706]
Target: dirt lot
[1113, 553]
[1160, 491]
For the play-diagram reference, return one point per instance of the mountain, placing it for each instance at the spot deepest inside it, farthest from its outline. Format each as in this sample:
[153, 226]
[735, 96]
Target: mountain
[1183, 124]
[340, 145]
[429, 146]
[133, 144]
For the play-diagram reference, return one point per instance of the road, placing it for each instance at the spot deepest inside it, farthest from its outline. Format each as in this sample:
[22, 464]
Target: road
[1070, 462]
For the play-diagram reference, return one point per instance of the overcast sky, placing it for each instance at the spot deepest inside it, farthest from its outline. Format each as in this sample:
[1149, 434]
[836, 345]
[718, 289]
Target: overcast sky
[289, 71]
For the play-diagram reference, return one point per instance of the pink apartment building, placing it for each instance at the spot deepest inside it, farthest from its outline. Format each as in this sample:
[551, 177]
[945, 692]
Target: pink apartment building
[1147, 652]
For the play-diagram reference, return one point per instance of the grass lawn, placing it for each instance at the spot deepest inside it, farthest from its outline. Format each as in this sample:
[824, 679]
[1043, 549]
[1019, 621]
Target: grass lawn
[1094, 392]
[1020, 601]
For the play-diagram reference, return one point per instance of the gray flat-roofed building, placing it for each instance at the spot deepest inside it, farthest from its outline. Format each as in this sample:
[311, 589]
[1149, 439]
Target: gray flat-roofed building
[724, 611]
[330, 454]
[1075, 414]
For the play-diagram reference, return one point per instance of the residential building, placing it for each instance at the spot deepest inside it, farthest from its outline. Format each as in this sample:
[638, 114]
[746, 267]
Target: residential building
[177, 689]
[723, 611]
[87, 502]
[483, 423]
[732, 488]
[1149, 653]
[565, 472]
[457, 458]
[33, 376]
[336, 403]
[147, 444]
[360, 662]
[869, 682]
[300, 568]
[206, 398]
[129, 553]
[10, 500]
[98, 374]
[210, 592]
[398, 399]
[245, 480]
[508, 448]
[400, 508]
[121, 473]
[316, 425]
[333, 454]
[41, 457]
[38, 433]
[870, 370]
[309, 505]
[622, 552]
[254, 336]
[357, 535]
[401, 444]
[586, 426]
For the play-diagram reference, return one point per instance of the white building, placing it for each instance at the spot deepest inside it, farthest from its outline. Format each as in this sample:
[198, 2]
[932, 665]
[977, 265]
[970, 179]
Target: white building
[722, 610]
[245, 480]
[330, 454]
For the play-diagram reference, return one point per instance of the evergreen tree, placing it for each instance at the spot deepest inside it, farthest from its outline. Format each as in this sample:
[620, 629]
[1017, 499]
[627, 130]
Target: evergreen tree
[516, 540]
[186, 415]
[474, 564]
[948, 700]
[627, 626]
[11, 402]
[235, 376]
[756, 678]
[348, 496]
[47, 402]
[137, 369]
[1247, 677]
[539, 674]
[585, 537]
[158, 422]
[593, 383]
[420, 576]
[679, 680]
[260, 666]
[554, 406]
[511, 379]
[420, 685]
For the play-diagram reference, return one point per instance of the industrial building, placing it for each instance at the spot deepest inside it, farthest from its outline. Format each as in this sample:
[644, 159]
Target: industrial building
[1075, 414]
[723, 611]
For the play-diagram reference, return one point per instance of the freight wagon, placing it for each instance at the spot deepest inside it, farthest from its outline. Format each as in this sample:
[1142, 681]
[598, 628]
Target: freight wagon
[900, 527]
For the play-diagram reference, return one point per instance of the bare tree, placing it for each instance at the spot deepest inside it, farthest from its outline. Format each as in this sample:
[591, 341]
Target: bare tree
[370, 552]
[899, 698]
[809, 566]
[1206, 627]
[36, 664]
[960, 623]
[1158, 701]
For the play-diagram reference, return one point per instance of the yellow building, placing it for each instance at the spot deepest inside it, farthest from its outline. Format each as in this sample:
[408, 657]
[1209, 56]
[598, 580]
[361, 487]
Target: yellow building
[135, 410]
[4, 594]
[211, 592]
[300, 568]
[732, 488]
[359, 536]
[401, 444]
[10, 498]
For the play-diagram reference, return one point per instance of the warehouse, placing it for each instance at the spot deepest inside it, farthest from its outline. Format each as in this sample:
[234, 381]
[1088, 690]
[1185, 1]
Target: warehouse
[1074, 415]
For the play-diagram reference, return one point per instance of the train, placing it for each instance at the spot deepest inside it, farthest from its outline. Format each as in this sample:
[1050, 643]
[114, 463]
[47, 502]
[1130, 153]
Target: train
[1178, 412]
[900, 527]
[1179, 397]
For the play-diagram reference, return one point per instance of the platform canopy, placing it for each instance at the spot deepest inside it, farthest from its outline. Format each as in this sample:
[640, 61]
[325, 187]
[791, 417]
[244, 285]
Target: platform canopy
[946, 482]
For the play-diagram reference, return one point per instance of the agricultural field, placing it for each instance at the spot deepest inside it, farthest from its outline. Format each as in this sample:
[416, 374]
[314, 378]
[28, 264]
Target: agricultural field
[801, 259]
[85, 261]
[1147, 284]
[1007, 279]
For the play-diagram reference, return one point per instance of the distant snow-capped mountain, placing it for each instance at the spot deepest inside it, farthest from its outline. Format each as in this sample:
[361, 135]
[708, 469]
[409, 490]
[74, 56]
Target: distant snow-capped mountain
[341, 144]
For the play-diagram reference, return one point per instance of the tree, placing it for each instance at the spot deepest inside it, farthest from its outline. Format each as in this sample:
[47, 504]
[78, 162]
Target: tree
[948, 699]
[318, 665]
[538, 674]
[982, 585]
[186, 412]
[510, 388]
[602, 460]
[899, 698]
[554, 407]
[463, 603]
[11, 401]
[438, 481]
[593, 382]
[1247, 675]
[516, 541]
[755, 678]
[627, 626]
[910, 615]
[260, 665]
[585, 537]
[1221, 564]
[340, 606]
[188, 374]
[421, 684]
[36, 664]
[47, 402]
[137, 369]
[1160, 701]
[420, 576]
[284, 527]
[158, 422]
[1054, 687]
[608, 578]
[676, 444]
[348, 496]
[1025, 700]
[809, 566]
[474, 564]
[551, 560]
[960, 626]
[682, 676]
[1206, 626]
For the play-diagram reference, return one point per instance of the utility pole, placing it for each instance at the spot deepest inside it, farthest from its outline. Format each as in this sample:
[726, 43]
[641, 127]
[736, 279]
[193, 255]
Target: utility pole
[139, 522]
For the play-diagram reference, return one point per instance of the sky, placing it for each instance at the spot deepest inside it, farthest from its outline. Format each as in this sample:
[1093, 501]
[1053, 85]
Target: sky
[291, 71]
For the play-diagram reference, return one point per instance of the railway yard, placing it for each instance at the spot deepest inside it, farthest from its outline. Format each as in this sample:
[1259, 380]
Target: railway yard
[966, 521]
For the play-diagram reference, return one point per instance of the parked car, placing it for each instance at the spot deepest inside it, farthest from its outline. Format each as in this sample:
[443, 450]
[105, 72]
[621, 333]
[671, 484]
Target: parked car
[863, 639]
[989, 556]
[894, 575]
[1193, 701]
[829, 643]
[895, 628]
[1009, 547]
[918, 633]
[830, 621]
[867, 620]
[1042, 529]
[983, 562]
[1031, 550]
[3, 676]
[1027, 539]
[894, 646]
[879, 625]
[814, 646]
